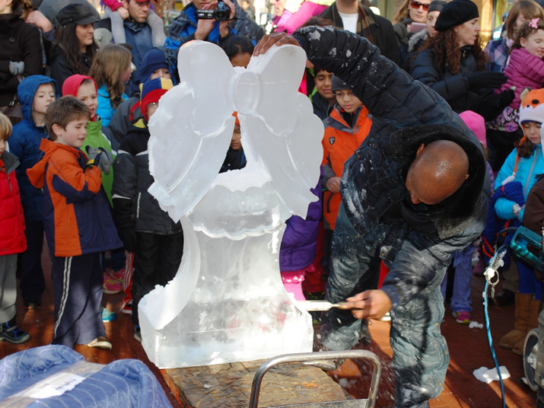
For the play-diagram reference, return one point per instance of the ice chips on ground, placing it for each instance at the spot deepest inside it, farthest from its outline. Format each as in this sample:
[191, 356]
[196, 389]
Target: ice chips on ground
[227, 302]
[487, 375]
[475, 325]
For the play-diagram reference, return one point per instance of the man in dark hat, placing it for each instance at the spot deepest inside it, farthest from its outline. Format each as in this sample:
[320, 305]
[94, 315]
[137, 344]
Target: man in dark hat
[413, 193]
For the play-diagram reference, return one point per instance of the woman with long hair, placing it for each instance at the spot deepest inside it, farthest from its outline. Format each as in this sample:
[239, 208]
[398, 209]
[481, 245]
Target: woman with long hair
[410, 11]
[21, 51]
[452, 63]
[74, 48]
[111, 69]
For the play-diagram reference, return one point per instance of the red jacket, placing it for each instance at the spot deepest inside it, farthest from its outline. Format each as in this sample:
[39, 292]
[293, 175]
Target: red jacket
[12, 221]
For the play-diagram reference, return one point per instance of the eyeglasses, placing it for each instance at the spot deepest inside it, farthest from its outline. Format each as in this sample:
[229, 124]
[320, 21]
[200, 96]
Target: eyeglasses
[416, 5]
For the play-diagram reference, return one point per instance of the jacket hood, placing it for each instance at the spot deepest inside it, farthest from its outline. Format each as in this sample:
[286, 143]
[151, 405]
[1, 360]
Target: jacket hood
[27, 89]
[36, 174]
[72, 83]
[11, 162]
[455, 213]
[417, 39]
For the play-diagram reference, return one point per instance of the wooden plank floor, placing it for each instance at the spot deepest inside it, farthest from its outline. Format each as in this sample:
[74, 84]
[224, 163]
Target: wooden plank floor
[469, 350]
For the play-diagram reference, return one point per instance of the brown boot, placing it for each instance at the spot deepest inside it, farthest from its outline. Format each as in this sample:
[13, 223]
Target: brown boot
[523, 307]
[532, 323]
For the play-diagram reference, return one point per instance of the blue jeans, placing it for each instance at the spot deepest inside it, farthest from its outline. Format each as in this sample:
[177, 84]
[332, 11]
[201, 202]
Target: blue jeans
[420, 358]
[462, 262]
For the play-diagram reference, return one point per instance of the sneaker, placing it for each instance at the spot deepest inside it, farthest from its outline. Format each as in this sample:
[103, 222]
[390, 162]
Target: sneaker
[32, 304]
[462, 317]
[11, 333]
[100, 343]
[119, 276]
[111, 286]
[107, 316]
[127, 307]
[138, 333]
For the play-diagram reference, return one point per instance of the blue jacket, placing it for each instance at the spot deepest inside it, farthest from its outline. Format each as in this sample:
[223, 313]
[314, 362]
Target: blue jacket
[139, 36]
[105, 110]
[25, 144]
[528, 170]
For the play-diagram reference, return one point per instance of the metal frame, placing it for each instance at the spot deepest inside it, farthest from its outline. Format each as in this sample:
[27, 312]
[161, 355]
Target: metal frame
[326, 355]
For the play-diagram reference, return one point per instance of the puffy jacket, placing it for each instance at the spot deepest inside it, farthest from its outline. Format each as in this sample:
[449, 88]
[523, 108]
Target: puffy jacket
[373, 185]
[127, 116]
[339, 143]
[133, 206]
[524, 70]
[61, 68]
[25, 144]
[77, 215]
[183, 30]
[20, 42]
[528, 170]
[105, 110]
[12, 221]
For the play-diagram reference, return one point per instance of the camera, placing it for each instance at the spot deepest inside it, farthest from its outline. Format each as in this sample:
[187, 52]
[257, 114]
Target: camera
[221, 13]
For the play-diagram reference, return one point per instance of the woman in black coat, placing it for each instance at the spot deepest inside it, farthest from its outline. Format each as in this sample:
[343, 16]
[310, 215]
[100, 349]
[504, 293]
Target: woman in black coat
[453, 63]
[21, 48]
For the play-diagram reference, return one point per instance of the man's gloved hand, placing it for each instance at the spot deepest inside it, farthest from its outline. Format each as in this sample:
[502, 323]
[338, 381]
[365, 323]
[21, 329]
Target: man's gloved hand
[99, 157]
[486, 79]
[16, 67]
[129, 238]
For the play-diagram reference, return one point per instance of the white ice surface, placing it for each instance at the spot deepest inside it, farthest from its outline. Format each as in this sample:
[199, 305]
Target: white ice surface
[227, 302]
[487, 375]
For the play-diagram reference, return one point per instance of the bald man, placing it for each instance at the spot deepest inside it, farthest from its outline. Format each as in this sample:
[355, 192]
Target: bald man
[414, 193]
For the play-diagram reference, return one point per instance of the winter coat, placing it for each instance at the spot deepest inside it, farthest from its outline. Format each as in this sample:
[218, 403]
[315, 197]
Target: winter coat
[381, 30]
[524, 70]
[61, 68]
[528, 170]
[534, 207]
[126, 117]
[322, 107]
[133, 205]
[420, 241]
[339, 143]
[105, 110]
[20, 42]
[414, 44]
[12, 220]
[25, 143]
[76, 212]
[183, 30]
[455, 88]
[234, 160]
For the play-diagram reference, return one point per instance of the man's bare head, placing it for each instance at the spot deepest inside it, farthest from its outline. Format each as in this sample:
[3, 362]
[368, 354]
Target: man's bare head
[438, 171]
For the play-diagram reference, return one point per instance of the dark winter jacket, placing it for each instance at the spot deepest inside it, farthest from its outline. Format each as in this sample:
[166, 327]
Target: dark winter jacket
[12, 220]
[322, 107]
[381, 30]
[126, 118]
[25, 143]
[414, 43]
[133, 206]
[20, 42]
[183, 30]
[534, 207]
[455, 88]
[61, 68]
[235, 160]
[421, 240]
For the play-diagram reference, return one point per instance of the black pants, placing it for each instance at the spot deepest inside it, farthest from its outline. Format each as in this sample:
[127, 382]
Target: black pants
[499, 145]
[32, 282]
[156, 262]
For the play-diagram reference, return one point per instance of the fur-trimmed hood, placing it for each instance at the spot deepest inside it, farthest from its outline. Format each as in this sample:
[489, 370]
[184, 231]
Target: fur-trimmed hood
[417, 40]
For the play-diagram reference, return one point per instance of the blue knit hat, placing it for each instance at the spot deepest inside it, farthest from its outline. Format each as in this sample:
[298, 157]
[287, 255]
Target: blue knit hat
[152, 61]
[152, 92]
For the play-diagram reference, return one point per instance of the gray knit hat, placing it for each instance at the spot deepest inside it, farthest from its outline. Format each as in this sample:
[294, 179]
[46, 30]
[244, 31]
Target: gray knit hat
[337, 84]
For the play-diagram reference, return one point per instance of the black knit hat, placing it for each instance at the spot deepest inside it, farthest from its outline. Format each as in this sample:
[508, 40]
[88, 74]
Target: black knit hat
[436, 5]
[77, 13]
[456, 13]
[337, 84]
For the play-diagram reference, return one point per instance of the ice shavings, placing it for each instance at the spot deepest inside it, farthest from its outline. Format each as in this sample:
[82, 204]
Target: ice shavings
[475, 325]
[487, 375]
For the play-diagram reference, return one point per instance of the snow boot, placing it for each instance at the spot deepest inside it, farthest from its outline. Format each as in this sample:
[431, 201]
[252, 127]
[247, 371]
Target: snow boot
[521, 324]
[532, 323]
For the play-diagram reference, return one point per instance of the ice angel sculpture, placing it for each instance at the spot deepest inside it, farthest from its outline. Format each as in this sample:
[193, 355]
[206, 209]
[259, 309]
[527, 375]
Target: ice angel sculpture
[227, 302]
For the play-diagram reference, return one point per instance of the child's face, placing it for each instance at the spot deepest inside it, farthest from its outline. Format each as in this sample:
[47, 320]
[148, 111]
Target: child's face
[87, 94]
[323, 84]
[44, 96]
[160, 73]
[236, 141]
[241, 59]
[74, 134]
[347, 100]
[534, 44]
[151, 109]
[532, 131]
[125, 76]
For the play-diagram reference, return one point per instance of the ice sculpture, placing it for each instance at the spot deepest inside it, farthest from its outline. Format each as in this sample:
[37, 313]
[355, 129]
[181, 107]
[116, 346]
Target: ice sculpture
[227, 302]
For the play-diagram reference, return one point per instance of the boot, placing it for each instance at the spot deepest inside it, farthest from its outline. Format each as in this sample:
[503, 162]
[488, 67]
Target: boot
[532, 323]
[521, 324]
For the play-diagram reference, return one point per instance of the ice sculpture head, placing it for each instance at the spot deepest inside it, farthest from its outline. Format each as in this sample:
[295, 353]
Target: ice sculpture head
[192, 130]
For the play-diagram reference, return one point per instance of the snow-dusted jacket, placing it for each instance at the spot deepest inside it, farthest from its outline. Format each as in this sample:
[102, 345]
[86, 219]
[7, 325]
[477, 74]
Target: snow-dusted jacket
[524, 70]
[373, 185]
[12, 220]
[528, 170]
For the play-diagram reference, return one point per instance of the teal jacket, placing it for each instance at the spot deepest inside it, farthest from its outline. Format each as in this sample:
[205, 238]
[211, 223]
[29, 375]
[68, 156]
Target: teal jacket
[105, 110]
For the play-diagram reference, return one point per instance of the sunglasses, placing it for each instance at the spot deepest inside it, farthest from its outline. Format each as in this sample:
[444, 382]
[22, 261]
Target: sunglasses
[416, 5]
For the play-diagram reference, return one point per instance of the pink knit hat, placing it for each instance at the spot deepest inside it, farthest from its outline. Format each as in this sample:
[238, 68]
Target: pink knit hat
[476, 123]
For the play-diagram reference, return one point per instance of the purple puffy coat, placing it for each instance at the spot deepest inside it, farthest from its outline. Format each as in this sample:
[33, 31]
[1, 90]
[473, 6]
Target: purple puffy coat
[299, 243]
[524, 70]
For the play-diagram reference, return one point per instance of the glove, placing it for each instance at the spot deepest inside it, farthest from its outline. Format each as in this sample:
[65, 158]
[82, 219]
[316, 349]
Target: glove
[16, 68]
[129, 238]
[505, 98]
[99, 157]
[485, 79]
